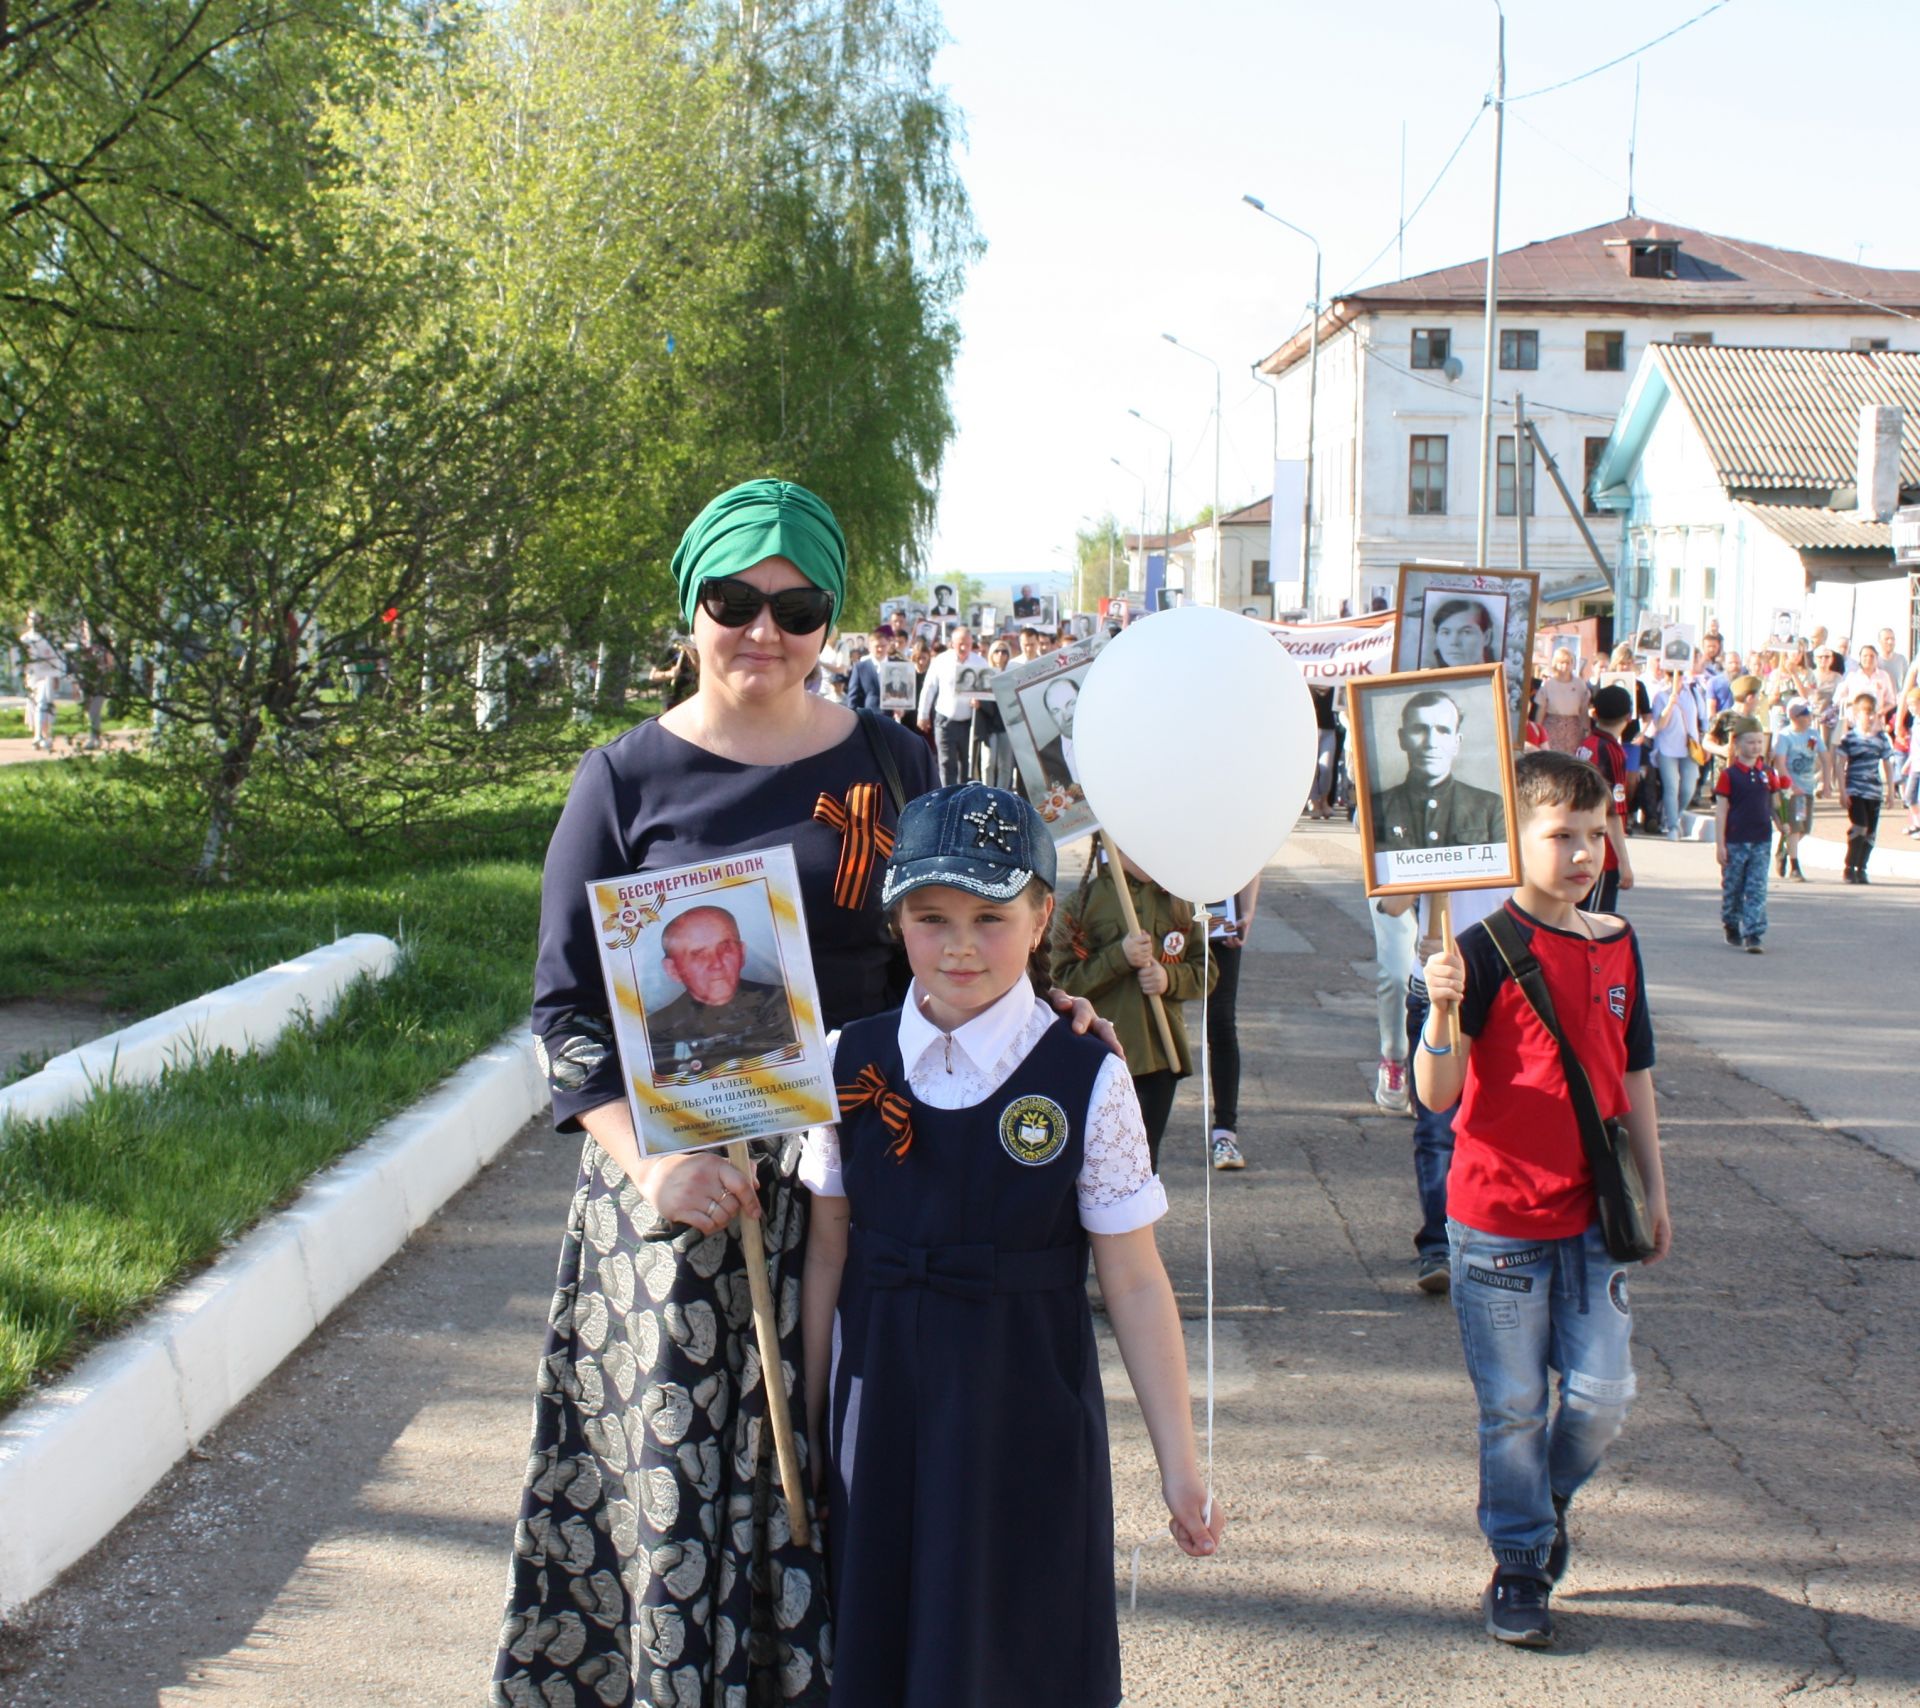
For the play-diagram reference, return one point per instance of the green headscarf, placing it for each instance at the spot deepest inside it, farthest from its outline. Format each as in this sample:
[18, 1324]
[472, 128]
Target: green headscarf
[754, 521]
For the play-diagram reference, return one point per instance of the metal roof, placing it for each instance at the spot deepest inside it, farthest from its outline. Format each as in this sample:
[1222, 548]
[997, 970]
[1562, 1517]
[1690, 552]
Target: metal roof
[1592, 270]
[1777, 419]
[1808, 527]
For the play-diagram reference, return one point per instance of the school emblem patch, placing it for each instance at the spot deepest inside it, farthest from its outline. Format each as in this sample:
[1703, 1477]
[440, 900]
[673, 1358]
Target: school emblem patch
[1033, 1130]
[1173, 946]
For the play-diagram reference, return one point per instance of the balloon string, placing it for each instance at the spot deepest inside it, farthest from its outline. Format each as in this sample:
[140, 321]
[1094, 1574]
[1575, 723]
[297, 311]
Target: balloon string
[1206, 1159]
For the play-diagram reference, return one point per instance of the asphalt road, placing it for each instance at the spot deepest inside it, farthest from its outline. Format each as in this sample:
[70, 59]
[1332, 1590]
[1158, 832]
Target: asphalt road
[343, 1539]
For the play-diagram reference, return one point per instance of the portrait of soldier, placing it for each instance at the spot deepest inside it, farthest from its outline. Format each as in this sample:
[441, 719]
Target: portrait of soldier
[719, 1015]
[1431, 808]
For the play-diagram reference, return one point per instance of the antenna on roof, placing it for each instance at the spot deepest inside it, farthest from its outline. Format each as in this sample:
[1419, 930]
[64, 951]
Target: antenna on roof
[1633, 139]
[1402, 236]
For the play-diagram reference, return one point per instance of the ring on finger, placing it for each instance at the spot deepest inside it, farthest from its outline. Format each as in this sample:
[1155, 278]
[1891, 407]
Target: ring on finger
[713, 1209]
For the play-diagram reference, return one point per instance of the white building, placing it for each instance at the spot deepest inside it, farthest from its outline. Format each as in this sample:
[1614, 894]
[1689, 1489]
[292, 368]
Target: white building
[1397, 422]
[1241, 544]
[1760, 481]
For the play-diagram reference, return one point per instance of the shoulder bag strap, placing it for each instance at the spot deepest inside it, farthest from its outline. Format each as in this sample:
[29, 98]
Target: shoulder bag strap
[883, 757]
[1525, 967]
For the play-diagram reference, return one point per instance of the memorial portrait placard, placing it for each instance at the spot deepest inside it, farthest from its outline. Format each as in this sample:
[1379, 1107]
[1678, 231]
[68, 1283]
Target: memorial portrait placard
[896, 684]
[1449, 619]
[1037, 700]
[1433, 774]
[715, 1010]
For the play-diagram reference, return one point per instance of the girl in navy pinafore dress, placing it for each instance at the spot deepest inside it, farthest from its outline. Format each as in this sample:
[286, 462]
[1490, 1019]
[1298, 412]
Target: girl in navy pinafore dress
[983, 1150]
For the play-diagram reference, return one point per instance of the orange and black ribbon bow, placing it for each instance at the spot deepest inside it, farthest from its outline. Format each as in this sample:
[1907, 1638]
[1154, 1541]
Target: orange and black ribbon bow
[895, 1112]
[863, 838]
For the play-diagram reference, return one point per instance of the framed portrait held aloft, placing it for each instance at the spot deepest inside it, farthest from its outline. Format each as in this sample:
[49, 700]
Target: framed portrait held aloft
[714, 1007]
[1677, 644]
[973, 681]
[896, 684]
[1037, 701]
[1433, 772]
[1454, 619]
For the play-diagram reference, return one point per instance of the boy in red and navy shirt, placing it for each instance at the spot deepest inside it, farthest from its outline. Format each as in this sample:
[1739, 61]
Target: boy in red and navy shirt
[1533, 1284]
[1743, 833]
[1612, 712]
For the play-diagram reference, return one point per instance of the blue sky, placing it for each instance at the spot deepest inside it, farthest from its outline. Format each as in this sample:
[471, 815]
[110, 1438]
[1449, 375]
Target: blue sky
[1109, 146]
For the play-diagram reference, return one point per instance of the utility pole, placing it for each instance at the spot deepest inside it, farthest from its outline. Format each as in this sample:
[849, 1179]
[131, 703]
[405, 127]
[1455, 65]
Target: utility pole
[1313, 394]
[1493, 286]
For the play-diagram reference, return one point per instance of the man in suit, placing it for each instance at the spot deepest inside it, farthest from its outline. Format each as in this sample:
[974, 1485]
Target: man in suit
[863, 684]
[720, 1016]
[1056, 757]
[1432, 808]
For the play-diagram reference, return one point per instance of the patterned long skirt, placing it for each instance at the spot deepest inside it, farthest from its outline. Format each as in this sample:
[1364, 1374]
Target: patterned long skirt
[652, 1561]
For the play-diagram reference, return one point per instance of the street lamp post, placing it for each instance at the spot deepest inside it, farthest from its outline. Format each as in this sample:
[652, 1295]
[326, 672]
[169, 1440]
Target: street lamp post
[1142, 479]
[1166, 541]
[1491, 327]
[1313, 392]
[1219, 535]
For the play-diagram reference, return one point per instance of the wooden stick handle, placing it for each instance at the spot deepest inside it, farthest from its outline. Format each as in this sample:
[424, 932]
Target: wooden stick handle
[1449, 1011]
[773, 1376]
[1154, 1004]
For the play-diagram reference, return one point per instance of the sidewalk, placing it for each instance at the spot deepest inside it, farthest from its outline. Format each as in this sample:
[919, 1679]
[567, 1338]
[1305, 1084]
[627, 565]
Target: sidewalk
[343, 1539]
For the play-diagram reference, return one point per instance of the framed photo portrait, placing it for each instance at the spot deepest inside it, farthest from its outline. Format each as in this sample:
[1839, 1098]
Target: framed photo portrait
[1433, 771]
[1457, 619]
[1646, 643]
[973, 681]
[1677, 643]
[715, 1011]
[896, 684]
[1037, 702]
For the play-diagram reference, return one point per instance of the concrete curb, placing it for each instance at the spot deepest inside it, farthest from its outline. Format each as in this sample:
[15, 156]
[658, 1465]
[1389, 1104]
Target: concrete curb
[240, 1017]
[78, 1457]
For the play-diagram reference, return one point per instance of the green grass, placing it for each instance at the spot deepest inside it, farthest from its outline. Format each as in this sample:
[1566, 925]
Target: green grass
[104, 1207]
[68, 719]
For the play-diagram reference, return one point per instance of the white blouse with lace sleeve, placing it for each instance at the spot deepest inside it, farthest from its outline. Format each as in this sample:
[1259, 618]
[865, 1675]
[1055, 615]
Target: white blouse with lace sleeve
[1117, 1188]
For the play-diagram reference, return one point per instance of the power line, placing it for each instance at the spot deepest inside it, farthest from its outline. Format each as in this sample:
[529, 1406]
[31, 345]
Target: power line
[1417, 206]
[1813, 284]
[1568, 82]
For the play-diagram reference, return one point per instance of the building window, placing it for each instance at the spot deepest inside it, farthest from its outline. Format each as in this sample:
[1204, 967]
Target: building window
[1519, 349]
[1673, 585]
[1431, 346]
[1427, 482]
[1262, 578]
[1710, 586]
[1693, 338]
[1606, 352]
[1655, 260]
[1504, 474]
[1867, 344]
[1594, 449]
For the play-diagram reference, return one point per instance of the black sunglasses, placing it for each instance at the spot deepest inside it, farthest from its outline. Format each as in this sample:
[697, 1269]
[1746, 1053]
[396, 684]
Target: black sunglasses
[733, 603]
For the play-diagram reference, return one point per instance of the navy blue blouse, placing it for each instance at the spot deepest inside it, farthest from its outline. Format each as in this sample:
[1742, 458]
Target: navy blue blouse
[649, 800]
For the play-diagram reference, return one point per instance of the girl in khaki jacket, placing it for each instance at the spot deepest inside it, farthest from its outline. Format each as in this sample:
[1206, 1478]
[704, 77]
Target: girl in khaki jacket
[1094, 955]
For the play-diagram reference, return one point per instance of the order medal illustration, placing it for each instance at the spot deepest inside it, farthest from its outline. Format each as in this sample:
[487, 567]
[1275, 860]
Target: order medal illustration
[1033, 1130]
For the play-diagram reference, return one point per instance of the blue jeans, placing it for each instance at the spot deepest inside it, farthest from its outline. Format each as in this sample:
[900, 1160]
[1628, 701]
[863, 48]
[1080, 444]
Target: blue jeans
[1432, 1139]
[1526, 1308]
[1743, 888]
[1678, 775]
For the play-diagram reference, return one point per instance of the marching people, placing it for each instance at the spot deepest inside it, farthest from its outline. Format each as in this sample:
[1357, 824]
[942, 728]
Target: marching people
[991, 728]
[696, 1582]
[945, 714]
[1743, 833]
[1118, 971]
[863, 680]
[1560, 703]
[1906, 727]
[1866, 758]
[1603, 750]
[981, 1153]
[44, 668]
[1675, 737]
[1227, 926]
[1801, 756]
[1534, 1286]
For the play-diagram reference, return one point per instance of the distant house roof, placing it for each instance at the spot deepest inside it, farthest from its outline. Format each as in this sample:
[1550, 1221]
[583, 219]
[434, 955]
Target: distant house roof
[1810, 527]
[1593, 269]
[1157, 542]
[1259, 511]
[1771, 419]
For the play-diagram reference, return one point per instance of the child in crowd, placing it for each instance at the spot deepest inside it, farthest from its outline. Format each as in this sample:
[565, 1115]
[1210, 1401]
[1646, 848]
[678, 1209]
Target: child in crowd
[1743, 832]
[982, 1149]
[1095, 956]
[1867, 756]
[1533, 1284]
[1906, 725]
[1802, 755]
[1612, 710]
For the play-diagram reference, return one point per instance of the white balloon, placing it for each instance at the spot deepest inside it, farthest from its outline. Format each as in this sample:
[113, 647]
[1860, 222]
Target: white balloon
[1195, 740]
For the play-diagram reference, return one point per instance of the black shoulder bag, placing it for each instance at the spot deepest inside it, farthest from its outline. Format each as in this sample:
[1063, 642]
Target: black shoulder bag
[1625, 1224]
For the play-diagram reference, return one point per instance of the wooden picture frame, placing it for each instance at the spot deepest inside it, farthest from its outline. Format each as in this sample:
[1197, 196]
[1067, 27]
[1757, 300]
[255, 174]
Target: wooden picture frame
[1415, 839]
[1519, 615]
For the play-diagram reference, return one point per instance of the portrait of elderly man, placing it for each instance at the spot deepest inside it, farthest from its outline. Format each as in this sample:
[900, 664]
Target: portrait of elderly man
[1432, 808]
[719, 1016]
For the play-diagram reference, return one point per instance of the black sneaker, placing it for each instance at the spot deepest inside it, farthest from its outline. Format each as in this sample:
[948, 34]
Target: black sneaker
[1799, 877]
[1434, 1275]
[1860, 877]
[1752, 946]
[1734, 939]
[1557, 1554]
[1515, 1604]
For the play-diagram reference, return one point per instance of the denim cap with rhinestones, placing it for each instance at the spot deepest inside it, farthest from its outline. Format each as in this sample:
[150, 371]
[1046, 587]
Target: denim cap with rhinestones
[985, 841]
